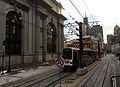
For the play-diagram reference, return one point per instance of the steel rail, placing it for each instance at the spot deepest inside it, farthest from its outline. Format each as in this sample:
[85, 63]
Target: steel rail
[44, 81]
[95, 72]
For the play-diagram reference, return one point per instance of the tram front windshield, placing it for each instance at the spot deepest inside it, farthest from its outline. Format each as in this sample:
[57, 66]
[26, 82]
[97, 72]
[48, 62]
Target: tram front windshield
[67, 54]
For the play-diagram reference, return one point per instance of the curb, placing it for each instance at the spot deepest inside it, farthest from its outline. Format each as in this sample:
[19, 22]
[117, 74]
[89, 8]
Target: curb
[86, 69]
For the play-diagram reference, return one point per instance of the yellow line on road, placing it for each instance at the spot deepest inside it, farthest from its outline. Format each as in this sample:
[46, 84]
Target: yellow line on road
[76, 82]
[84, 76]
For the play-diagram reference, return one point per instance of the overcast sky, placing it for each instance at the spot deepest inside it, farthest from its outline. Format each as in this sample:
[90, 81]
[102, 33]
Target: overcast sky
[105, 11]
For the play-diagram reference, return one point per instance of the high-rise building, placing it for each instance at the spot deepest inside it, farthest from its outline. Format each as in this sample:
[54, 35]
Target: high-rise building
[85, 26]
[96, 30]
[109, 39]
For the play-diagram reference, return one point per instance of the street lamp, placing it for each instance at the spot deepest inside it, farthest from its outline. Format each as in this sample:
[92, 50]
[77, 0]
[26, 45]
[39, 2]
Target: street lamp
[11, 28]
[2, 66]
[9, 47]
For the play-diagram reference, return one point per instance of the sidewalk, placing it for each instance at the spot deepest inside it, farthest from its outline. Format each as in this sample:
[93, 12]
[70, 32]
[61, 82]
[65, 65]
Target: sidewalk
[10, 79]
[115, 71]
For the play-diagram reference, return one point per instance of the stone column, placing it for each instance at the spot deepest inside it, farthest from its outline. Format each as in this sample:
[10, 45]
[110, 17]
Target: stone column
[37, 37]
[44, 40]
[58, 37]
[62, 36]
[37, 34]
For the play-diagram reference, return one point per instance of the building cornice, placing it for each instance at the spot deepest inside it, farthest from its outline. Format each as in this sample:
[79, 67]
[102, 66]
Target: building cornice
[50, 10]
[17, 4]
[58, 4]
[41, 3]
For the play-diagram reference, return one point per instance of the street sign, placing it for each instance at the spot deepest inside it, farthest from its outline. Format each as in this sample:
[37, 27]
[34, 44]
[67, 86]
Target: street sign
[59, 62]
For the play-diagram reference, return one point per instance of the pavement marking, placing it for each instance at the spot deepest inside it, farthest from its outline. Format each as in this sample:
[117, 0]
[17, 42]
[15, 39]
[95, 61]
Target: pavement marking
[79, 80]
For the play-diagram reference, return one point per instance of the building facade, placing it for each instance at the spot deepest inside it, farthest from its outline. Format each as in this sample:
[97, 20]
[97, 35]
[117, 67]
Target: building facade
[85, 26]
[115, 46]
[31, 30]
[113, 43]
[95, 30]
[109, 39]
[90, 42]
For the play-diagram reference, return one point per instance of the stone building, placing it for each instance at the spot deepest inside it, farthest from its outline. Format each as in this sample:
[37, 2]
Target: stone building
[31, 31]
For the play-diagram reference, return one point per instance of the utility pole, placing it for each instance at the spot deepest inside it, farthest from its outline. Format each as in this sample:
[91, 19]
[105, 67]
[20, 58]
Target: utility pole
[80, 44]
[81, 65]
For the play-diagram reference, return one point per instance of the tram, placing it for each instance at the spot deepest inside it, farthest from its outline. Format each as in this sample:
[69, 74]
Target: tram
[72, 59]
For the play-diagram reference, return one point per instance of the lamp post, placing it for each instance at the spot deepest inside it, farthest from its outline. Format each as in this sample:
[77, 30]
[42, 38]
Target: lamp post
[2, 66]
[9, 47]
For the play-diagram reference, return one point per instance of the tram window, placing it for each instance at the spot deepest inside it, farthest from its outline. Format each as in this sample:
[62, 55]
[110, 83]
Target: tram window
[67, 54]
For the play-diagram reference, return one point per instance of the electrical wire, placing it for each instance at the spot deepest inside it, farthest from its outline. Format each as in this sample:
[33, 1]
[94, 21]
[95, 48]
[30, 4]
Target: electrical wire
[88, 9]
[76, 8]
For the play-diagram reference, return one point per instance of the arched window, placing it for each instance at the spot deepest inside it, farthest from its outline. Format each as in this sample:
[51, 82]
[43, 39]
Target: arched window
[51, 38]
[13, 33]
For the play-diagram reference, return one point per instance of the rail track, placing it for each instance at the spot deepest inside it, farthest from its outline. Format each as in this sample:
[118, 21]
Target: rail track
[73, 79]
[98, 77]
[44, 81]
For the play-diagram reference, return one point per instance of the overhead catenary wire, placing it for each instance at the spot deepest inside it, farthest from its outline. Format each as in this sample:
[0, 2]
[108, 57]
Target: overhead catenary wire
[76, 8]
[72, 27]
[68, 23]
[80, 12]
[88, 9]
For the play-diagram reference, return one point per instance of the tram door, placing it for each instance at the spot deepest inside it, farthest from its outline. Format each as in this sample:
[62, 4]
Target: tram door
[75, 59]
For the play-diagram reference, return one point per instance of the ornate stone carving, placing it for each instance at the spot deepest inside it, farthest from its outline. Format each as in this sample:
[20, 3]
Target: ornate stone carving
[17, 4]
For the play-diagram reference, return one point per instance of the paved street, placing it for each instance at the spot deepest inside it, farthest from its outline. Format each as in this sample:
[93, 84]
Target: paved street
[22, 75]
[103, 73]
[101, 76]
[98, 76]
